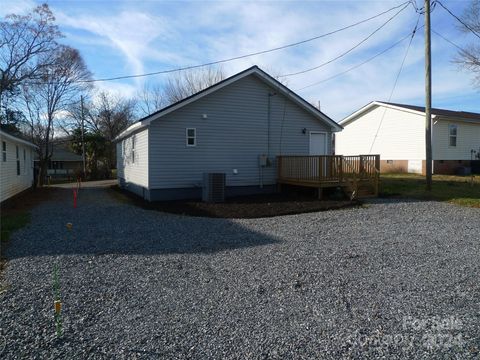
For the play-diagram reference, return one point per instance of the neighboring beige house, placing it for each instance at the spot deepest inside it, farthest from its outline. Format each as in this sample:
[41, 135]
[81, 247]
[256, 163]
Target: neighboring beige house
[16, 165]
[397, 133]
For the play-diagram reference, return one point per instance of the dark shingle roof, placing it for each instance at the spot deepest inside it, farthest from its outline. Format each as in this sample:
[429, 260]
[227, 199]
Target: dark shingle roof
[439, 112]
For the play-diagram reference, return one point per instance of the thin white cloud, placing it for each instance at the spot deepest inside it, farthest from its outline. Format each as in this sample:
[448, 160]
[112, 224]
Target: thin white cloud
[19, 7]
[131, 32]
[155, 36]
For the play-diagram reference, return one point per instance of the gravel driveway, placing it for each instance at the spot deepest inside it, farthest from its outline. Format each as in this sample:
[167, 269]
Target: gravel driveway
[395, 278]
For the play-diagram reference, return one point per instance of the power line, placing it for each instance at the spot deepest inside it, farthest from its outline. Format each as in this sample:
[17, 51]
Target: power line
[395, 83]
[463, 52]
[448, 40]
[349, 50]
[360, 64]
[458, 19]
[403, 6]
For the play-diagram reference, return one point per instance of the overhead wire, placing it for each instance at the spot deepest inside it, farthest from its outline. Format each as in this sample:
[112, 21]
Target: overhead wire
[123, 77]
[395, 83]
[360, 64]
[349, 50]
[457, 18]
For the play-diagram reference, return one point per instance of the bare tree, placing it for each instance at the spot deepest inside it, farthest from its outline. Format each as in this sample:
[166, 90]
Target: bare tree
[188, 82]
[25, 42]
[45, 99]
[150, 99]
[469, 57]
[106, 116]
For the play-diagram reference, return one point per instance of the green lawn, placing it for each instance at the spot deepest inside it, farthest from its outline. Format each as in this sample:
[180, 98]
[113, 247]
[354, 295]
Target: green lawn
[460, 190]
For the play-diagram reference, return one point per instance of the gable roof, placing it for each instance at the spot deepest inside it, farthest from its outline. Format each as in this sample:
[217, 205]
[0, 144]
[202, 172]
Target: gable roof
[436, 112]
[254, 70]
[440, 112]
[61, 151]
[17, 139]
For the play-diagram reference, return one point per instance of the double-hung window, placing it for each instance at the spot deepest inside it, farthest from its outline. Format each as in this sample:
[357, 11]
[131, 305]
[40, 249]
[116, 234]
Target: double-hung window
[18, 160]
[133, 149]
[452, 135]
[191, 137]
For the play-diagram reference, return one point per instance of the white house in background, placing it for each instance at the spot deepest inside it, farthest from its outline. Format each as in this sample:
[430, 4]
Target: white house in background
[397, 133]
[16, 165]
[236, 127]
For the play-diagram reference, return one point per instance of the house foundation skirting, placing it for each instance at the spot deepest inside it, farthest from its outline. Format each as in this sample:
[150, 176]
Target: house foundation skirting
[191, 193]
[440, 167]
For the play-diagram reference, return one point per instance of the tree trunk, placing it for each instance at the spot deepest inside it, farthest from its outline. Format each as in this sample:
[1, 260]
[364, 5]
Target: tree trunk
[42, 172]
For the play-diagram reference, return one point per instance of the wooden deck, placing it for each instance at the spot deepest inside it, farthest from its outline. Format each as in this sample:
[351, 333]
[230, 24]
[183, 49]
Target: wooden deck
[359, 175]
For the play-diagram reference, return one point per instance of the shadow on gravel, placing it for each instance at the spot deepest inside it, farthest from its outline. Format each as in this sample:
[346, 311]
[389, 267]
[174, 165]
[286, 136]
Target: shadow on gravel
[102, 226]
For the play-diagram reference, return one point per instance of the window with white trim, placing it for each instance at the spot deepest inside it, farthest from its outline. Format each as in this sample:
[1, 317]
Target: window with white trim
[4, 151]
[133, 149]
[191, 136]
[18, 160]
[452, 135]
[24, 161]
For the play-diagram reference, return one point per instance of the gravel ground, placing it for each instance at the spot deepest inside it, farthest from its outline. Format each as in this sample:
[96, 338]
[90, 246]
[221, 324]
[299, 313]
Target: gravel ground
[396, 279]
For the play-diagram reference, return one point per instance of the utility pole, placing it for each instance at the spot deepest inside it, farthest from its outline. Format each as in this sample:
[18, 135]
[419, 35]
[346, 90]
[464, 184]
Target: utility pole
[83, 139]
[428, 98]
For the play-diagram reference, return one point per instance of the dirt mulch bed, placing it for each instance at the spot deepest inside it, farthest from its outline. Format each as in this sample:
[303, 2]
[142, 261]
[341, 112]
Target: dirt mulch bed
[244, 207]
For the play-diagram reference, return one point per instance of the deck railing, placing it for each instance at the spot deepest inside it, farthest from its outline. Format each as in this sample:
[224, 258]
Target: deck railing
[324, 170]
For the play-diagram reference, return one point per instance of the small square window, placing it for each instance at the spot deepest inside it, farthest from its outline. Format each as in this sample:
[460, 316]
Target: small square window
[191, 134]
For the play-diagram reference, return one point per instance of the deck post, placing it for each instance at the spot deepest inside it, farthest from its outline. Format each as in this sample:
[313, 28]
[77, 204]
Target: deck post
[362, 168]
[340, 170]
[320, 193]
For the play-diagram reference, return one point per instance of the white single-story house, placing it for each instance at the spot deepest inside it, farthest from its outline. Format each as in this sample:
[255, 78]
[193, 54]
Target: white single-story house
[397, 133]
[16, 165]
[236, 127]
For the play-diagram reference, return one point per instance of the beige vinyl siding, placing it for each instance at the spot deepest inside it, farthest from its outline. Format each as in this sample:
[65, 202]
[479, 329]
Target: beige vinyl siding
[11, 183]
[232, 136]
[401, 135]
[468, 138]
[133, 166]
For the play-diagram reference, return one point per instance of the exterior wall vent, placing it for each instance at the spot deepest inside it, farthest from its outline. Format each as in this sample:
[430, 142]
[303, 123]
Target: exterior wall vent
[213, 187]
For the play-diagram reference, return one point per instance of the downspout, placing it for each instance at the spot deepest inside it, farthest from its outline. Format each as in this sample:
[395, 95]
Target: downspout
[269, 117]
[268, 123]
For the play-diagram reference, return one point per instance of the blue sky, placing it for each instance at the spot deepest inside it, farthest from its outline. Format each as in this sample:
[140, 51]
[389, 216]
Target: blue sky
[131, 37]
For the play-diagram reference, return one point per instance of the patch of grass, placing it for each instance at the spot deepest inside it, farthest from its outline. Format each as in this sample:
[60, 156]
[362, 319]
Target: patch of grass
[460, 190]
[8, 224]
[13, 222]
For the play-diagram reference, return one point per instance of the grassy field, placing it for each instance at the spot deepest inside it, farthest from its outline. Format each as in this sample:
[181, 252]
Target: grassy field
[460, 190]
